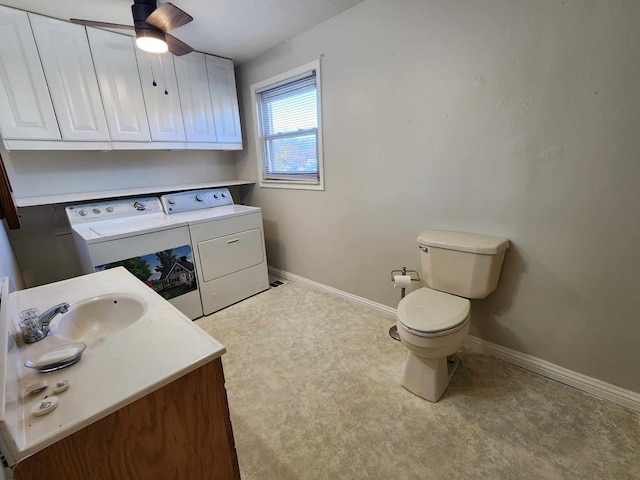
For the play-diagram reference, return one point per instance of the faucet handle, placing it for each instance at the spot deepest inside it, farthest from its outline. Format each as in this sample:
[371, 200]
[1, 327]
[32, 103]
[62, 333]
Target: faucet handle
[32, 328]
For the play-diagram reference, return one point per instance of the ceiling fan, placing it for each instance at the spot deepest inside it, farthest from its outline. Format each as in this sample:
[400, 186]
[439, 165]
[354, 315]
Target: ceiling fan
[151, 24]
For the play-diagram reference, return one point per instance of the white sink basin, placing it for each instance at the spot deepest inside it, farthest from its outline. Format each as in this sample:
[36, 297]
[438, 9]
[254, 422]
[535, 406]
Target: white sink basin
[97, 317]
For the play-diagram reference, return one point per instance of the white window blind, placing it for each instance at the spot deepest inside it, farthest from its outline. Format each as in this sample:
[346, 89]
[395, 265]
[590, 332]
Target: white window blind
[288, 119]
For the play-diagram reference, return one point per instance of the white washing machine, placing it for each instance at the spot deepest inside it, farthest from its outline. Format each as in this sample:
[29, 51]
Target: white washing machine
[228, 245]
[136, 234]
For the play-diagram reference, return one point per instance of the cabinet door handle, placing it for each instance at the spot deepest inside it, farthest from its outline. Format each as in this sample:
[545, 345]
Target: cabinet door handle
[233, 240]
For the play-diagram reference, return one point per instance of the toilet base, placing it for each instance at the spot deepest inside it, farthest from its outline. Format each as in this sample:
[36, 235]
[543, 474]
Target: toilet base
[429, 377]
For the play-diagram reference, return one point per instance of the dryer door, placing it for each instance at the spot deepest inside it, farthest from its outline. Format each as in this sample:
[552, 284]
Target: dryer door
[232, 253]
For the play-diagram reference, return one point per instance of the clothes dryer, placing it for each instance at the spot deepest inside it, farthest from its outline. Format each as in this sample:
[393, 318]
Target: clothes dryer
[228, 245]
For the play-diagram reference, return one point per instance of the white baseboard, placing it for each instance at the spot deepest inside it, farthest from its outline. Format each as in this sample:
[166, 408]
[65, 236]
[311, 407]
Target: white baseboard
[378, 307]
[590, 385]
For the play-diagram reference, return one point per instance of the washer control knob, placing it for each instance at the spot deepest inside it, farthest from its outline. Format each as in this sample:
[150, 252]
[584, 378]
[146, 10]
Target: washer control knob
[171, 201]
[215, 195]
[224, 195]
[139, 206]
[199, 197]
[110, 209]
[97, 211]
[83, 213]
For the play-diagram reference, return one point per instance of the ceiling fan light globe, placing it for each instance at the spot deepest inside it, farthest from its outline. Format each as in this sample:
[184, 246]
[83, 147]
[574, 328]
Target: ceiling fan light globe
[151, 44]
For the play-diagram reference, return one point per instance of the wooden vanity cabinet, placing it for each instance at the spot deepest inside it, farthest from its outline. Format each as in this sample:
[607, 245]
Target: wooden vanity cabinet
[181, 431]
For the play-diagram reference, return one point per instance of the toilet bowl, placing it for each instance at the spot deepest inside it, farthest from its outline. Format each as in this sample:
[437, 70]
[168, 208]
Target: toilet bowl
[433, 321]
[432, 326]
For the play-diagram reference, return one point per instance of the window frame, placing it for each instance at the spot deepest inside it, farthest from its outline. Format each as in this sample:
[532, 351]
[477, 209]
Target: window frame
[283, 78]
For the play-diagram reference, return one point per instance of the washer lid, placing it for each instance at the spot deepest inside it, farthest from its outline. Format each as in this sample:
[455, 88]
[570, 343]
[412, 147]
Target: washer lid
[430, 311]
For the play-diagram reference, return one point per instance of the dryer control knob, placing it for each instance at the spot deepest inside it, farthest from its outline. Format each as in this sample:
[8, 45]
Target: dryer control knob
[110, 209]
[215, 195]
[171, 201]
[224, 195]
[199, 197]
[97, 211]
[83, 213]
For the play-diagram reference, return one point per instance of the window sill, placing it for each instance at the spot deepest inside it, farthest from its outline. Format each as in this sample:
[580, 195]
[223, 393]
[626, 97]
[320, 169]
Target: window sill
[291, 185]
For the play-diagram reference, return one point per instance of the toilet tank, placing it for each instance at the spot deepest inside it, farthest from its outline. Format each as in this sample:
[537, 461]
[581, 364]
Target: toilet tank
[464, 264]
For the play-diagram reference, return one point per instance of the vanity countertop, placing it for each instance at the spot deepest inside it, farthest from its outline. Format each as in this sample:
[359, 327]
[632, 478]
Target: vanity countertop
[114, 371]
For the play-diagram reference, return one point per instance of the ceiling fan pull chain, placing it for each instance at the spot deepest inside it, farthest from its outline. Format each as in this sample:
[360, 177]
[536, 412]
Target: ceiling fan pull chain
[153, 77]
[164, 76]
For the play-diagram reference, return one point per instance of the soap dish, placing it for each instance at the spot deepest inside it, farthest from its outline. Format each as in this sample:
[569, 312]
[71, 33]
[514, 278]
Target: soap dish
[57, 358]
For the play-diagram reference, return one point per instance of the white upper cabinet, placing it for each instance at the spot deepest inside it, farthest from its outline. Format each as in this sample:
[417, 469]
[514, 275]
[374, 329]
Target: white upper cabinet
[222, 86]
[117, 70]
[68, 66]
[67, 87]
[163, 109]
[26, 111]
[193, 85]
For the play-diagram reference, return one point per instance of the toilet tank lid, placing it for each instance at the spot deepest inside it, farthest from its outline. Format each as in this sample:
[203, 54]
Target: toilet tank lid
[463, 242]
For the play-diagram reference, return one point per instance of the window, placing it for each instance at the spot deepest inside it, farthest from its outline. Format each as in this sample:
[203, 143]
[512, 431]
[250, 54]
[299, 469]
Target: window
[288, 129]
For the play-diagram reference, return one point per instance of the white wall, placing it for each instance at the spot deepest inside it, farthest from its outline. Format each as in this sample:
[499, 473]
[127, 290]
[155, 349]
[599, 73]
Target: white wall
[43, 246]
[35, 173]
[8, 265]
[511, 118]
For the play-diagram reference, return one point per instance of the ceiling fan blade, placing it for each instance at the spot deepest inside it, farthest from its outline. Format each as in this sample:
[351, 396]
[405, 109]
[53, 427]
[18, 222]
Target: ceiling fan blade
[91, 23]
[177, 47]
[168, 17]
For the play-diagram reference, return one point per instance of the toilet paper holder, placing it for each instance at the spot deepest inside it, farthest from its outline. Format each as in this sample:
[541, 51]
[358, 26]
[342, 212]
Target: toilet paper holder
[404, 271]
[415, 277]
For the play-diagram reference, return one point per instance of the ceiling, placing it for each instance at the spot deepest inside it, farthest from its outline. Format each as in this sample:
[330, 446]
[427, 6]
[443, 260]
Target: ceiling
[236, 29]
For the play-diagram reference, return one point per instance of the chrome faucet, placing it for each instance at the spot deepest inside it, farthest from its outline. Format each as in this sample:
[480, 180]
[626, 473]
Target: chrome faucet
[36, 327]
[46, 317]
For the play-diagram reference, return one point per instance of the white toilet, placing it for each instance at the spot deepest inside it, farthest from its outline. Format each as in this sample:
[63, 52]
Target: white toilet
[433, 321]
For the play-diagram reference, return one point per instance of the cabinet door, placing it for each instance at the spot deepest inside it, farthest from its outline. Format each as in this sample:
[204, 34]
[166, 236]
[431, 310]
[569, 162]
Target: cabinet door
[193, 85]
[163, 110]
[222, 86]
[26, 111]
[66, 59]
[115, 63]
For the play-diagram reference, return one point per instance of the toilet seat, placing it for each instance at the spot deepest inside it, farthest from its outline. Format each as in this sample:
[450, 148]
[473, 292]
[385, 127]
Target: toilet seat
[426, 312]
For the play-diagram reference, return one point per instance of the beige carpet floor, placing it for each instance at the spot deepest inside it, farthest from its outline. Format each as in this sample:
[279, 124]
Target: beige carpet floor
[314, 392]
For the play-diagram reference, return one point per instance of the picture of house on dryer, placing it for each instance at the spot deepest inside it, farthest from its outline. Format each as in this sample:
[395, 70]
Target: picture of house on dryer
[169, 272]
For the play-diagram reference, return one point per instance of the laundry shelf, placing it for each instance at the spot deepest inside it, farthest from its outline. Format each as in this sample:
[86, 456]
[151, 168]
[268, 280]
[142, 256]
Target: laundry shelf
[123, 192]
